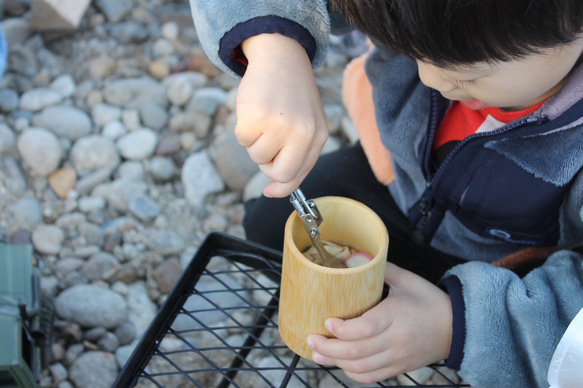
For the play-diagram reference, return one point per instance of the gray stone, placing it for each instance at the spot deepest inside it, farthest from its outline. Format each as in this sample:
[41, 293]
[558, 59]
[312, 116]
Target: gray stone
[72, 332]
[129, 32]
[67, 265]
[64, 121]
[233, 161]
[38, 99]
[48, 239]
[15, 181]
[49, 285]
[115, 10]
[65, 384]
[41, 150]
[9, 100]
[73, 278]
[164, 242]
[144, 208]
[108, 342]
[191, 121]
[7, 139]
[334, 114]
[16, 30]
[73, 352]
[167, 275]
[421, 376]
[114, 130]
[94, 334]
[200, 178]
[133, 92]
[123, 354]
[141, 310]
[254, 187]
[71, 221]
[91, 306]
[211, 315]
[153, 115]
[22, 62]
[91, 204]
[89, 181]
[64, 85]
[161, 168]
[349, 130]
[195, 79]
[104, 114]
[58, 372]
[125, 333]
[91, 233]
[98, 265]
[94, 369]
[162, 47]
[216, 222]
[131, 119]
[180, 94]
[168, 145]
[27, 213]
[94, 152]
[86, 251]
[138, 145]
[120, 192]
[277, 375]
[207, 100]
[131, 171]
[101, 67]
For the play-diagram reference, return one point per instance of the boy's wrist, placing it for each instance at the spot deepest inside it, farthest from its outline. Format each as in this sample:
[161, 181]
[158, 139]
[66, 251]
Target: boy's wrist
[270, 31]
[268, 47]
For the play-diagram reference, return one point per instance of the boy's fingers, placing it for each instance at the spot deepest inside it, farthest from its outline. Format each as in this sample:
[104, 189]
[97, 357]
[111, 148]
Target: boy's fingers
[279, 190]
[370, 324]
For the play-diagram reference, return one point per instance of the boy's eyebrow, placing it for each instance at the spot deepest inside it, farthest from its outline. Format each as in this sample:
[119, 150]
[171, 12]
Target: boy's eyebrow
[467, 68]
[476, 71]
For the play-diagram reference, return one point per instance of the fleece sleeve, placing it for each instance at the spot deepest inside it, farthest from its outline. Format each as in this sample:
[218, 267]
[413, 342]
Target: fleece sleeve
[222, 25]
[510, 326]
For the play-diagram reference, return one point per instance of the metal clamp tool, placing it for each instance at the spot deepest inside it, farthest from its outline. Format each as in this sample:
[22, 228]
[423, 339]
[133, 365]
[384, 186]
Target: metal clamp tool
[311, 219]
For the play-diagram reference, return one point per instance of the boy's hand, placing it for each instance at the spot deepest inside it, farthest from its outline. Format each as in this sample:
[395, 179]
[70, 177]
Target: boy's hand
[409, 329]
[280, 119]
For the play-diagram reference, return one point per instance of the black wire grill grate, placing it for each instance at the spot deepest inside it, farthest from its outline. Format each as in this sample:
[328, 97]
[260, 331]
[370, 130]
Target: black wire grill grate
[218, 328]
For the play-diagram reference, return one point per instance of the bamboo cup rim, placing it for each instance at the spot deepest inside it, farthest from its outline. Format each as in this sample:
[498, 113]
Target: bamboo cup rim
[294, 218]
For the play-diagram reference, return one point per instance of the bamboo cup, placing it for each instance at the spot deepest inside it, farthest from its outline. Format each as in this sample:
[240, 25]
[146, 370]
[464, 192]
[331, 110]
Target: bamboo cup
[311, 293]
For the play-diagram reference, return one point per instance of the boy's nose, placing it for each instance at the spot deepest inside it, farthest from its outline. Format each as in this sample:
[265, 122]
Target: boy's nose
[432, 77]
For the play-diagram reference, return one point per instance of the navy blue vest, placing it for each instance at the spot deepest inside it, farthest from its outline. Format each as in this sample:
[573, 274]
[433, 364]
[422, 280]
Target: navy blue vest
[487, 192]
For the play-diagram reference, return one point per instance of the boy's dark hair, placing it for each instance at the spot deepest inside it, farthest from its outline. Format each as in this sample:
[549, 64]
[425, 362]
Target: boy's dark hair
[460, 32]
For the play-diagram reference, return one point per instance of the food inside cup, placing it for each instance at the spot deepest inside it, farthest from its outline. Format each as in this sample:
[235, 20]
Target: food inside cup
[349, 256]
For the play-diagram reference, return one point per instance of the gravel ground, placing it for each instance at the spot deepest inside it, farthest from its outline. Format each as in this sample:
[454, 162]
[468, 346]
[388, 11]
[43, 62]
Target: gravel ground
[117, 158]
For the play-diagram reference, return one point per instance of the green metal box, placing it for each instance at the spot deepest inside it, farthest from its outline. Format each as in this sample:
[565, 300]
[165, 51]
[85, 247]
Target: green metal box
[24, 328]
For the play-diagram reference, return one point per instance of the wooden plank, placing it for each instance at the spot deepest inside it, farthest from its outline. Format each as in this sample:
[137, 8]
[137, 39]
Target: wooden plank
[57, 14]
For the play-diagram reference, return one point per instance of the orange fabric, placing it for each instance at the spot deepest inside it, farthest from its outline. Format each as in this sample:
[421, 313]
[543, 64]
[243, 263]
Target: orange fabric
[357, 98]
[461, 121]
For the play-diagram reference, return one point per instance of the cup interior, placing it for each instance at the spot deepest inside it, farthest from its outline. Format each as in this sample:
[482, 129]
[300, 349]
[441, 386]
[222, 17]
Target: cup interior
[345, 221]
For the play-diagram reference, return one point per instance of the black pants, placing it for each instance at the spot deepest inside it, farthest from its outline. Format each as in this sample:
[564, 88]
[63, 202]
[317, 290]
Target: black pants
[346, 173]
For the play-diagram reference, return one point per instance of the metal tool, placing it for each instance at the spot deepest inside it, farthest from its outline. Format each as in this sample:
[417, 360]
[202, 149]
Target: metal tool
[311, 219]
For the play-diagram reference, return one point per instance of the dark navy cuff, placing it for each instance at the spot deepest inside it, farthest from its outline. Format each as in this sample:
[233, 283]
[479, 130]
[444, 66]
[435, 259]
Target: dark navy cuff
[458, 337]
[230, 52]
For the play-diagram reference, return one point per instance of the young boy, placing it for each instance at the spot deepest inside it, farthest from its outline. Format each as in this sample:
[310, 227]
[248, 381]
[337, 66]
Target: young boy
[480, 106]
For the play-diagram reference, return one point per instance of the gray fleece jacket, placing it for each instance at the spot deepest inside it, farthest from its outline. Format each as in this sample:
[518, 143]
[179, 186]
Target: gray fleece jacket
[506, 328]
